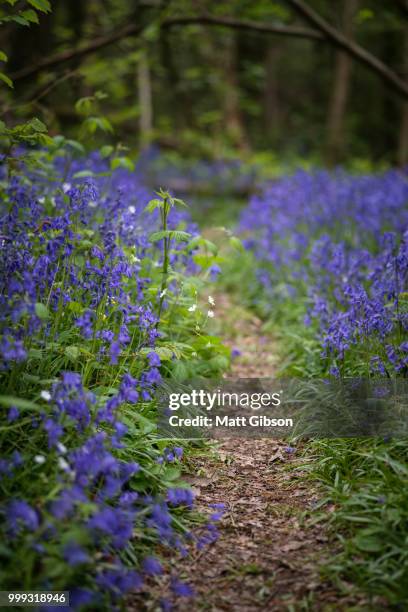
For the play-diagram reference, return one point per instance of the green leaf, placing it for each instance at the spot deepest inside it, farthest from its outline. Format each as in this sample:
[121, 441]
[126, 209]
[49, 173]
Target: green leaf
[75, 307]
[153, 204]
[37, 125]
[8, 401]
[84, 245]
[3, 57]
[44, 140]
[6, 80]
[42, 311]
[177, 235]
[41, 5]
[179, 202]
[204, 261]
[171, 473]
[219, 363]
[106, 150]
[20, 20]
[74, 144]
[367, 541]
[145, 424]
[198, 241]
[237, 244]
[180, 371]
[72, 352]
[84, 174]
[30, 15]
[122, 162]
[164, 353]
[97, 123]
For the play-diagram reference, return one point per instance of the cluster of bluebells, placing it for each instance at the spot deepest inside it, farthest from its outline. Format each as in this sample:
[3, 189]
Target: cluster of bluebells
[95, 492]
[76, 246]
[340, 242]
[72, 284]
[195, 176]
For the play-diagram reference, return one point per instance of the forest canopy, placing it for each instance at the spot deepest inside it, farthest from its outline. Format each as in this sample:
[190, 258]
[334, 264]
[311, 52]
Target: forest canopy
[316, 80]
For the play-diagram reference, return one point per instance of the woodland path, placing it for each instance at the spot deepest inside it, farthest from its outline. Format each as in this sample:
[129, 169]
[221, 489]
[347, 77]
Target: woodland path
[269, 550]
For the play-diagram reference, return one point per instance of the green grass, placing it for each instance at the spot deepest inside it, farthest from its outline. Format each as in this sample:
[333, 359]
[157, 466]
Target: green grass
[366, 481]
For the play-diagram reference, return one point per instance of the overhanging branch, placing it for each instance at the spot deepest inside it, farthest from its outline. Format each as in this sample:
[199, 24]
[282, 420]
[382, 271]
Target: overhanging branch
[336, 38]
[239, 24]
[98, 43]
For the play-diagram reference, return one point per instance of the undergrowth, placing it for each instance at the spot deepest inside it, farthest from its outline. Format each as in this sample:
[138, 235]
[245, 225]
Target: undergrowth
[102, 301]
[325, 268]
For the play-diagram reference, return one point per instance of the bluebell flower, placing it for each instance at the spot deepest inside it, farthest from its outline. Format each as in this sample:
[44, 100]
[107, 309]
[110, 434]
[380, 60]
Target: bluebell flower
[20, 514]
[181, 589]
[152, 566]
[180, 497]
[74, 554]
[13, 414]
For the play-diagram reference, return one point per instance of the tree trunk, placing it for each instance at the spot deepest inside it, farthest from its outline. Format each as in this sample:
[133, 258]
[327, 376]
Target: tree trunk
[336, 141]
[233, 119]
[145, 99]
[403, 136]
[272, 103]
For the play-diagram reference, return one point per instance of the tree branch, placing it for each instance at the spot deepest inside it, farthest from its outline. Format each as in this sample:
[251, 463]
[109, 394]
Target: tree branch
[82, 51]
[133, 30]
[350, 47]
[238, 24]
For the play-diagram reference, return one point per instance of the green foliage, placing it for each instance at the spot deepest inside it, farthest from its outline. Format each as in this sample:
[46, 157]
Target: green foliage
[24, 17]
[364, 479]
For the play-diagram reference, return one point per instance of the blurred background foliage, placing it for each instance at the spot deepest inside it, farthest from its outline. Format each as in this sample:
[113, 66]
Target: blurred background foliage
[174, 77]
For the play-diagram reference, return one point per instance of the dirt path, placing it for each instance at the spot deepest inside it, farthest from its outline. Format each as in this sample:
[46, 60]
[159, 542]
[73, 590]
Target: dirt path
[268, 554]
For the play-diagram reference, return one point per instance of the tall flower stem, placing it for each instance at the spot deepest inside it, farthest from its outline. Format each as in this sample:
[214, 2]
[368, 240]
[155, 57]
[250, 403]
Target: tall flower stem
[164, 212]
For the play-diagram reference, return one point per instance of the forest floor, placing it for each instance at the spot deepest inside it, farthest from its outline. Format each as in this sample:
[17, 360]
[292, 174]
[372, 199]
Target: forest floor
[270, 549]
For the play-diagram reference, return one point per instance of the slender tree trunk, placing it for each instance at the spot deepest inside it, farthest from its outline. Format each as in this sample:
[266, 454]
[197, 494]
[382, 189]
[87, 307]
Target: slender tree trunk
[272, 103]
[145, 99]
[336, 141]
[233, 119]
[403, 136]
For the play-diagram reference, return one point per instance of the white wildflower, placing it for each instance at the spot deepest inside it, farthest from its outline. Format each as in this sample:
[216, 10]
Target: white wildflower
[64, 465]
[66, 187]
[93, 203]
[45, 395]
[61, 447]
[210, 314]
[192, 308]
[41, 200]
[211, 300]
[132, 209]
[163, 293]
[40, 459]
